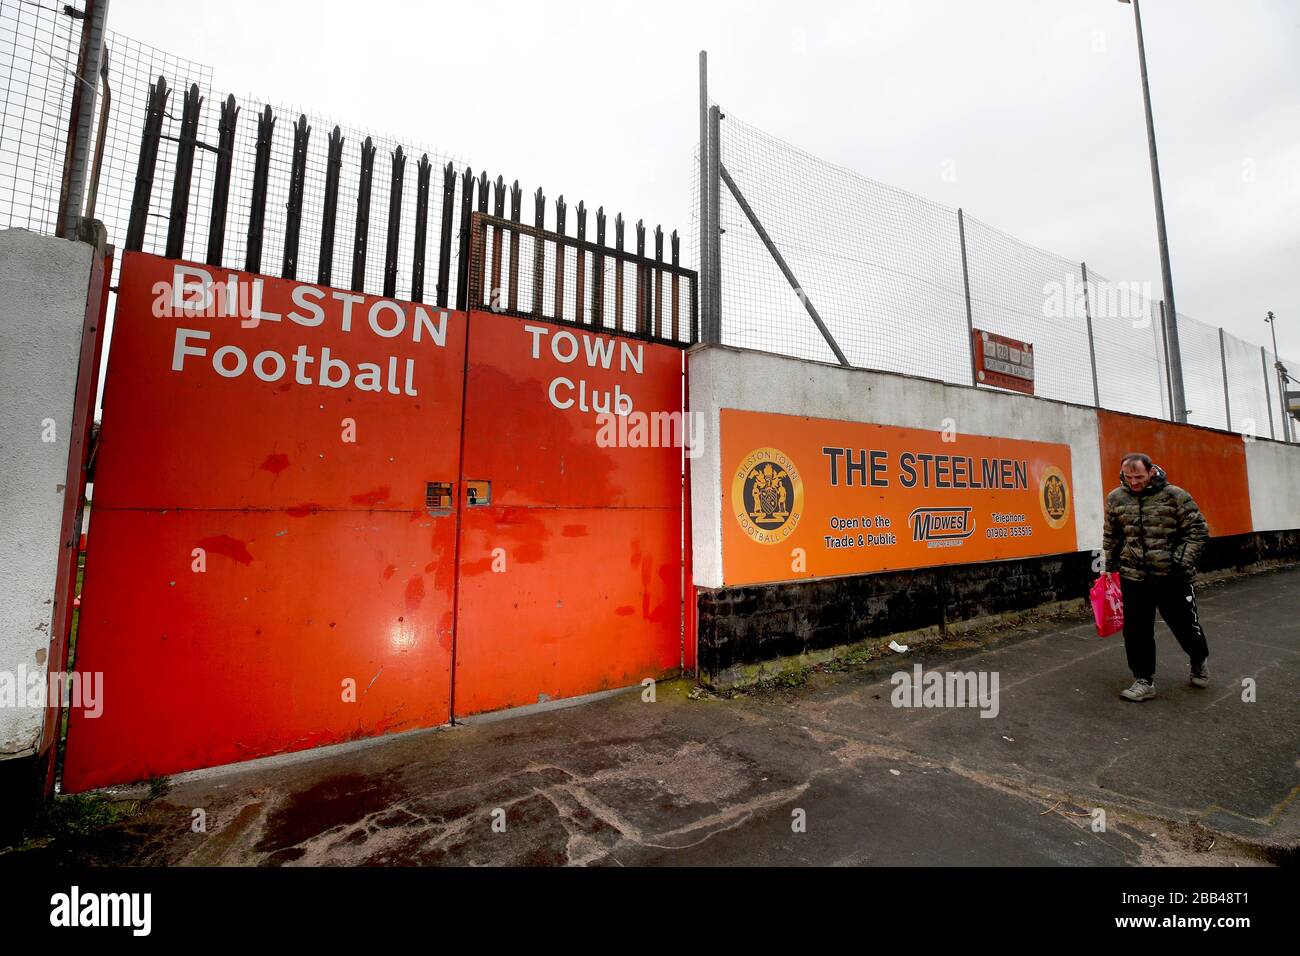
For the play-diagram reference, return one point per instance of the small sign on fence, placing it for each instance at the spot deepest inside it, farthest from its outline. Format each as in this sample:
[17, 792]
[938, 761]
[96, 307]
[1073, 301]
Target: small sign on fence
[1003, 362]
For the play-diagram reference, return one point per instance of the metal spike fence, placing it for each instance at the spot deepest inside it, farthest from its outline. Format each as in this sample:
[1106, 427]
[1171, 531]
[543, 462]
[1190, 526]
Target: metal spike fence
[897, 280]
[577, 281]
[241, 184]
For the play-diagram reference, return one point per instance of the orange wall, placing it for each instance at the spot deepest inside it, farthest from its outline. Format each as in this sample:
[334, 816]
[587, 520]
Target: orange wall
[1210, 465]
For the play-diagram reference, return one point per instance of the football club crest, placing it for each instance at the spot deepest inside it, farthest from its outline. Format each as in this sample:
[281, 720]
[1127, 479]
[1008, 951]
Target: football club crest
[1054, 497]
[767, 495]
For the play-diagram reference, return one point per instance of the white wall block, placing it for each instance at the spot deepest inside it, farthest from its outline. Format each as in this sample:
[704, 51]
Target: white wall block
[1273, 475]
[43, 285]
[723, 377]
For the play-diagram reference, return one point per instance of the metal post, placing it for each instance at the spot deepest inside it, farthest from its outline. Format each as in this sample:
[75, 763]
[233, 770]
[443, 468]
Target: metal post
[539, 251]
[1268, 393]
[705, 228]
[965, 283]
[77, 155]
[293, 212]
[145, 168]
[221, 187]
[639, 319]
[712, 239]
[674, 282]
[598, 272]
[100, 136]
[1169, 375]
[580, 282]
[618, 272]
[423, 170]
[1157, 350]
[498, 236]
[361, 237]
[183, 174]
[561, 259]
[462, 268]
[329, 213]
[1092, 346]
[397, 173]
[1177, 395]
[444, 243]
[1223, 360]
[1288, 430]
[516, 207]
[1281, 381]
[257, 204]
[781, 264]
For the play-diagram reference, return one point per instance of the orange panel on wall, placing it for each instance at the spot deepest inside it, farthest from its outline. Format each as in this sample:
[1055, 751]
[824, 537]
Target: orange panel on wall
[1210, 465]
[810, 497]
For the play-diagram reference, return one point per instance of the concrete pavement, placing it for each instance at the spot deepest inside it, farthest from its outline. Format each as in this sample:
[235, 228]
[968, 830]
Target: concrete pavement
[1193, 777]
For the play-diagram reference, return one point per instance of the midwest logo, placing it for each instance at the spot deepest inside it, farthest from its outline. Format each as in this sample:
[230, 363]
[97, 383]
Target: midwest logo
[942, 527]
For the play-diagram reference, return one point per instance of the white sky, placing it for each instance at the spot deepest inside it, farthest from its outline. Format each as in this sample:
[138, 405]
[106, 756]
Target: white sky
[1036, 103]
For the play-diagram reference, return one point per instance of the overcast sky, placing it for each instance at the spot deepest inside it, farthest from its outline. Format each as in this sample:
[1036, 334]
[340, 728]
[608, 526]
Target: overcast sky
[1035, 104]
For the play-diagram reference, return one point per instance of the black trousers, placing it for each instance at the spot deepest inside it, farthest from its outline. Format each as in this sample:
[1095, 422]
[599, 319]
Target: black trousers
[1176, 601]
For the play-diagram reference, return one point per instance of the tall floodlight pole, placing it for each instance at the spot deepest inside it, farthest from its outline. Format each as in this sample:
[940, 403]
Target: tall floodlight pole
[1281, 381]
[1166, 277]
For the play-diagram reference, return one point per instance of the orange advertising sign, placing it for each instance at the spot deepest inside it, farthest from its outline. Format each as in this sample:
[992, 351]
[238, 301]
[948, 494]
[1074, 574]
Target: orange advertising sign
[810, 497]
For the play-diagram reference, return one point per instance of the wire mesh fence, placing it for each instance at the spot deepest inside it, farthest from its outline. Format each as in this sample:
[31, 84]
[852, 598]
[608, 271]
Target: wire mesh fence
[1252, 412]
[249, 185]
[1127, 337]
[898, 281]
[39, 44]
[888, 288]
[1020, 291]
[130, 67]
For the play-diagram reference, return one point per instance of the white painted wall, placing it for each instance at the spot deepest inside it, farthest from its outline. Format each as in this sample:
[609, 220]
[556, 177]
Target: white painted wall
[722, 377]
[1273, 475]
[43, 284]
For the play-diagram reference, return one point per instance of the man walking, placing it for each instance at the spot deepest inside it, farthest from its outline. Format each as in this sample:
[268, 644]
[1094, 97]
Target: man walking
[1154, 534]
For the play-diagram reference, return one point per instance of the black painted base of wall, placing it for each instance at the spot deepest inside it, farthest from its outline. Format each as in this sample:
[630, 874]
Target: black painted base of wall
[743, 626]
[21, 783]
[1239, 552]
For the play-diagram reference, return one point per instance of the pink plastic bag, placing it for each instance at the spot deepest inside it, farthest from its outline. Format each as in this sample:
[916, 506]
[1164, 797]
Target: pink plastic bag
[1107, 604]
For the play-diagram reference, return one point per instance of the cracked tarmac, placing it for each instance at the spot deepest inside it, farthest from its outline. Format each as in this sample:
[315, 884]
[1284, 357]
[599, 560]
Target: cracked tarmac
[1193, 777]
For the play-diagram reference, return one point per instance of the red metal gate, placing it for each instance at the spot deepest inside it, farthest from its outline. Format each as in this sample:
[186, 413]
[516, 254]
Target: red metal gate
[571, 574]
[281, 488]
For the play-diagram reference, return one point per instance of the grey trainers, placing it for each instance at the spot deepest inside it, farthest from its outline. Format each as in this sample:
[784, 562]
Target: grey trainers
[1141, 690]
[1200, 676]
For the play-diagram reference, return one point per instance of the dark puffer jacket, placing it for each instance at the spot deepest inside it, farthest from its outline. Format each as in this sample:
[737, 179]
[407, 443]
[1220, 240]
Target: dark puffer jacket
[1155, 532]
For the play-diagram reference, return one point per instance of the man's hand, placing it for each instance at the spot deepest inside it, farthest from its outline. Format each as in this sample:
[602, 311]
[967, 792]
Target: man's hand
[1194, 534]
